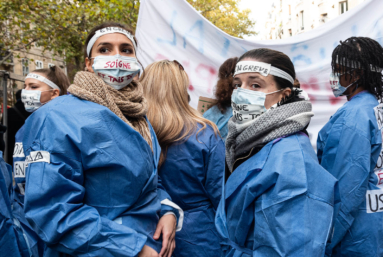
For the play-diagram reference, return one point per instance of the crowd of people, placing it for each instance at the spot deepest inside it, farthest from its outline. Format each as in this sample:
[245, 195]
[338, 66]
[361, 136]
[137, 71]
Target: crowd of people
[119, 164]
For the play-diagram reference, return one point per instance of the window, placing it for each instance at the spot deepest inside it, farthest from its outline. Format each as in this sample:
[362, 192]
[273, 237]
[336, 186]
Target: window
[323, 18]
[39, 64]
[25, 64]
[302, 21]
[290, 33]
[50, 65]
[343, 6]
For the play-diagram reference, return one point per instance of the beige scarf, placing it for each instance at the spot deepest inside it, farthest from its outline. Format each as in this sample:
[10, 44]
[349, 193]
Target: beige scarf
[128, 101]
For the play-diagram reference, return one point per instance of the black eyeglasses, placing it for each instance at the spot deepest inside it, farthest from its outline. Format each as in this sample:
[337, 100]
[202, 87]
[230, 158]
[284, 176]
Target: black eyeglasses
[179, 65]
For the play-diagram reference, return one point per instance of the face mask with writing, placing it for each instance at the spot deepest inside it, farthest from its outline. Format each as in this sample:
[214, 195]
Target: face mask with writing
[117, 71]
[248, 104]
[336, 87]
[31, 99]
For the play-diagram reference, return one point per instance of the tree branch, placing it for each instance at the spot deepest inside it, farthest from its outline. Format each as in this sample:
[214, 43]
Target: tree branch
[18, 49]
[6, 57]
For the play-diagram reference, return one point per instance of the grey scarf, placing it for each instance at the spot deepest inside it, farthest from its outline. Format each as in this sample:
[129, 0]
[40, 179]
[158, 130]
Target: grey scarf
[282, 121]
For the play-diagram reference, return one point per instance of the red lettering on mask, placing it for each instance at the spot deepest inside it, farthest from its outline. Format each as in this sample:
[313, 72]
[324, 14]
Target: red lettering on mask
[111, 79]
[107, 64]
[380, 176]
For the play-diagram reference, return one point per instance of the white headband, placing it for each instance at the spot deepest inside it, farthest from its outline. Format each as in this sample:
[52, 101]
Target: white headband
[109, 30]
[262, 68]
[356, 65]
[42, 79]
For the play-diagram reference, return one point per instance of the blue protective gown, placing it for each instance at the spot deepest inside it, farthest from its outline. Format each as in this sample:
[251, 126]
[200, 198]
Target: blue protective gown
[221, 120]
[192, 174]
[8, 235]
[279, 202]
[91, 181]
[348, 147]
[16, 238]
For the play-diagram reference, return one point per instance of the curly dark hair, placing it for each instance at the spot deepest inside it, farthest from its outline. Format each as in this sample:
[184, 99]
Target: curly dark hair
[224, 87]
[363, 57]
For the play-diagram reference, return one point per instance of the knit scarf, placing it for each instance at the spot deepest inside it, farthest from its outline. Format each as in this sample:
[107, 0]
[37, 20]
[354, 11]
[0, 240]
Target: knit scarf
[127, 103]
[275, 123]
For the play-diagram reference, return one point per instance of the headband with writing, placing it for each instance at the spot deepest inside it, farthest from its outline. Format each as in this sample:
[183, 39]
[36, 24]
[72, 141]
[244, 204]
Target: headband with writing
[355, 64]
[109, 30]
[262, 68]
[42, 79]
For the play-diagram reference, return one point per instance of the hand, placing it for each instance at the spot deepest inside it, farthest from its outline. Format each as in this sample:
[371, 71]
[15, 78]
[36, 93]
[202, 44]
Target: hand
[167, 226]
[148, 252]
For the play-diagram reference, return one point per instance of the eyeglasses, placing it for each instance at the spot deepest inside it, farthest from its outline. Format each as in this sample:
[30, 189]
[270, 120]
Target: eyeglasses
[179, 65]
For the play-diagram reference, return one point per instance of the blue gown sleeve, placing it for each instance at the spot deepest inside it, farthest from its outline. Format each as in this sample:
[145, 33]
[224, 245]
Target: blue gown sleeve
[215, 172]
[166, 201]
[8, 238]
[347, 156]
[55, 208]
[162, 194]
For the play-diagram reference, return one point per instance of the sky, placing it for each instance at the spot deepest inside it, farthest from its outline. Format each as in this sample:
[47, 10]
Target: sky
[259, 10]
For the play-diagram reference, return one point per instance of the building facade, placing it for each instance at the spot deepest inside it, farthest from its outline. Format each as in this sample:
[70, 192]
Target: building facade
[287, 18]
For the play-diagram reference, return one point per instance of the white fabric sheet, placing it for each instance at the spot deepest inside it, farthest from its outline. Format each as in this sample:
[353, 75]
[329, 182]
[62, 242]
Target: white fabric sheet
[172, 29]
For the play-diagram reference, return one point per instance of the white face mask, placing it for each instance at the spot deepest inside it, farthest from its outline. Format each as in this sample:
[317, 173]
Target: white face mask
[248, 104]
[336, 87]
[31, 99]
[117, 71]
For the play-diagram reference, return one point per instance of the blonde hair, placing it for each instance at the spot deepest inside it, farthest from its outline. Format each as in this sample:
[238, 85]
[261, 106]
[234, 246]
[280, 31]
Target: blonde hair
[173, 119]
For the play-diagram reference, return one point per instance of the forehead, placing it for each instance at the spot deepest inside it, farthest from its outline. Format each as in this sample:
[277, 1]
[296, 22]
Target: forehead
[248, 75]
[113, 38]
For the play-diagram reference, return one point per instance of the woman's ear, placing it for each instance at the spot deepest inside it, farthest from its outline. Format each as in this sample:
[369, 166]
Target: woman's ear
[88, 64]
[356, 76]
[55, 93]
[285, 93]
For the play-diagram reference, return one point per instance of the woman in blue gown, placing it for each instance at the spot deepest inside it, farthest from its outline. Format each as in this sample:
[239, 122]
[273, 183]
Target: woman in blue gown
[349, 147]
[278, 200]
[193, 157]
[91, 179]
[221, 112]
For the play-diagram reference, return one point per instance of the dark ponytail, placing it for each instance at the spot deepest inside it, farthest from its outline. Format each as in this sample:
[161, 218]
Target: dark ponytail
[57, 76]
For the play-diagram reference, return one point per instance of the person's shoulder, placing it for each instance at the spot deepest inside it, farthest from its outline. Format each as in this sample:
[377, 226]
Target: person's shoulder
[207, 136]
[288, 143]
[291, 149]
[213, 113]
[359, 114]
[360, 107]
[69, 105]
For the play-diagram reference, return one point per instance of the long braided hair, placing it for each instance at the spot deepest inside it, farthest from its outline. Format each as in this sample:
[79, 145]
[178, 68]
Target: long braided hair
[361, 57]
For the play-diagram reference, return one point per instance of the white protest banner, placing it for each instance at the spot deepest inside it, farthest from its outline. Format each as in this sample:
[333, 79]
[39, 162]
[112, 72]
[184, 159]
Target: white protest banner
[172, 29]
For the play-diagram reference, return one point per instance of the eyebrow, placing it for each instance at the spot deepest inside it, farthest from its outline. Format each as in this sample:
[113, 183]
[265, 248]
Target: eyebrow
[104, 43]
[107, 43]
[126, 44]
